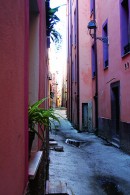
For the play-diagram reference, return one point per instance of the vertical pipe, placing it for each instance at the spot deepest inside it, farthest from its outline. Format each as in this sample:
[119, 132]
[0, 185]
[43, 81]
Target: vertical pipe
[96, 70]
[78, 100]
[71, 107]
[68, 71]
[129, 24]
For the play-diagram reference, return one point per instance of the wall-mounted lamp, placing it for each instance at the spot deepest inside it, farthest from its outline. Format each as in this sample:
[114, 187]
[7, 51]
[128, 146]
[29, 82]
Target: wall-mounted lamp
[92, 27]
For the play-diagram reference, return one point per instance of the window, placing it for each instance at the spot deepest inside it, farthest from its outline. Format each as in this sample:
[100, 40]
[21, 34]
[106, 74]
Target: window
[75, 27]
[76, 68]
[125, 26]
[105, 45]
[93, 62]
[73, 72]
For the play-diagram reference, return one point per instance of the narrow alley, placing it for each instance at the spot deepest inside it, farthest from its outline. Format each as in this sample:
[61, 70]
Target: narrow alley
[88, 164]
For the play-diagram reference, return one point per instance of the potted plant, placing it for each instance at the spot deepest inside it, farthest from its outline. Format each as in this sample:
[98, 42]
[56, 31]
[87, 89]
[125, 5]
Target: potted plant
[42, 117]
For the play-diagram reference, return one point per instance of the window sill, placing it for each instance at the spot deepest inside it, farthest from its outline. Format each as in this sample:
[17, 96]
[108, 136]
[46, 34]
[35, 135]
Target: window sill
[124, 55]
[106, 68]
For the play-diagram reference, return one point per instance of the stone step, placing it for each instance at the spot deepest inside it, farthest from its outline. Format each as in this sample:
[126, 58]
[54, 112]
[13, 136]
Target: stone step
[53, 143]
[116, 142]
[59, 148]
[56, 188]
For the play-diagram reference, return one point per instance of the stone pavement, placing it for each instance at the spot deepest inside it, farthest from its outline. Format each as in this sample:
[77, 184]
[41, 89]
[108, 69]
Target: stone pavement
[88, 164]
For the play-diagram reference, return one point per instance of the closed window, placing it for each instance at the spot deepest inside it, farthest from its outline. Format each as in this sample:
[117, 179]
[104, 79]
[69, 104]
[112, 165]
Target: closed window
[75, 28]
[93, 62]
[73, 72]
[105, 45]
[125, 26]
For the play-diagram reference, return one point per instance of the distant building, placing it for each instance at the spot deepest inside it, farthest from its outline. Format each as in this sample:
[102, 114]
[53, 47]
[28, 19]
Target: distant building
[64, 90]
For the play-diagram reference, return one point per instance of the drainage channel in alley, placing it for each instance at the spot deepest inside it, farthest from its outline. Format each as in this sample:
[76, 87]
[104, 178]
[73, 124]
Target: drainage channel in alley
[76, 143]
[54, 144]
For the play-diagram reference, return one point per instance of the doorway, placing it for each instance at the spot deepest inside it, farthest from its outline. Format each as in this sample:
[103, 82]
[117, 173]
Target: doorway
[84, 116]
[87, 116]
[115, 108]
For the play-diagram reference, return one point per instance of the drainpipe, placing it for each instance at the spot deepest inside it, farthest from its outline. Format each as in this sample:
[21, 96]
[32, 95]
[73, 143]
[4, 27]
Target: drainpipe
[96, 70]
[129, 27]
[78, 101]
[71, 107]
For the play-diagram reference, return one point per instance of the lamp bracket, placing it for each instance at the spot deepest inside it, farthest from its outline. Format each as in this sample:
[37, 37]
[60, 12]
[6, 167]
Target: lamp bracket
[103, 39]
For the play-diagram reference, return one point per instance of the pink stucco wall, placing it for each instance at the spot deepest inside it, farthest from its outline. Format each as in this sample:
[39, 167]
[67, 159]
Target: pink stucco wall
[79, 61]
[43, 73]
[43, 66]
[13, 96]
[116, 70]
[85, 72]
[14, 85]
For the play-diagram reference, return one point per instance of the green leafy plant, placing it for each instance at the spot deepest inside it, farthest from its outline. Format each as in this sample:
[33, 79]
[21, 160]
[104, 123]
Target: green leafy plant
[41, 117]
[51, 20]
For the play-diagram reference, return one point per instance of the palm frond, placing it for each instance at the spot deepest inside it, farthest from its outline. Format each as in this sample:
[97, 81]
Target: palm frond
[51, 20]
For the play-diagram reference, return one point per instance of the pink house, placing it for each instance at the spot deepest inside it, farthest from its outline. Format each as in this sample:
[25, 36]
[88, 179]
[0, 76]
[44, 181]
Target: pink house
[99, 68]
[113, 63]
[79, 79]
[22, 81]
